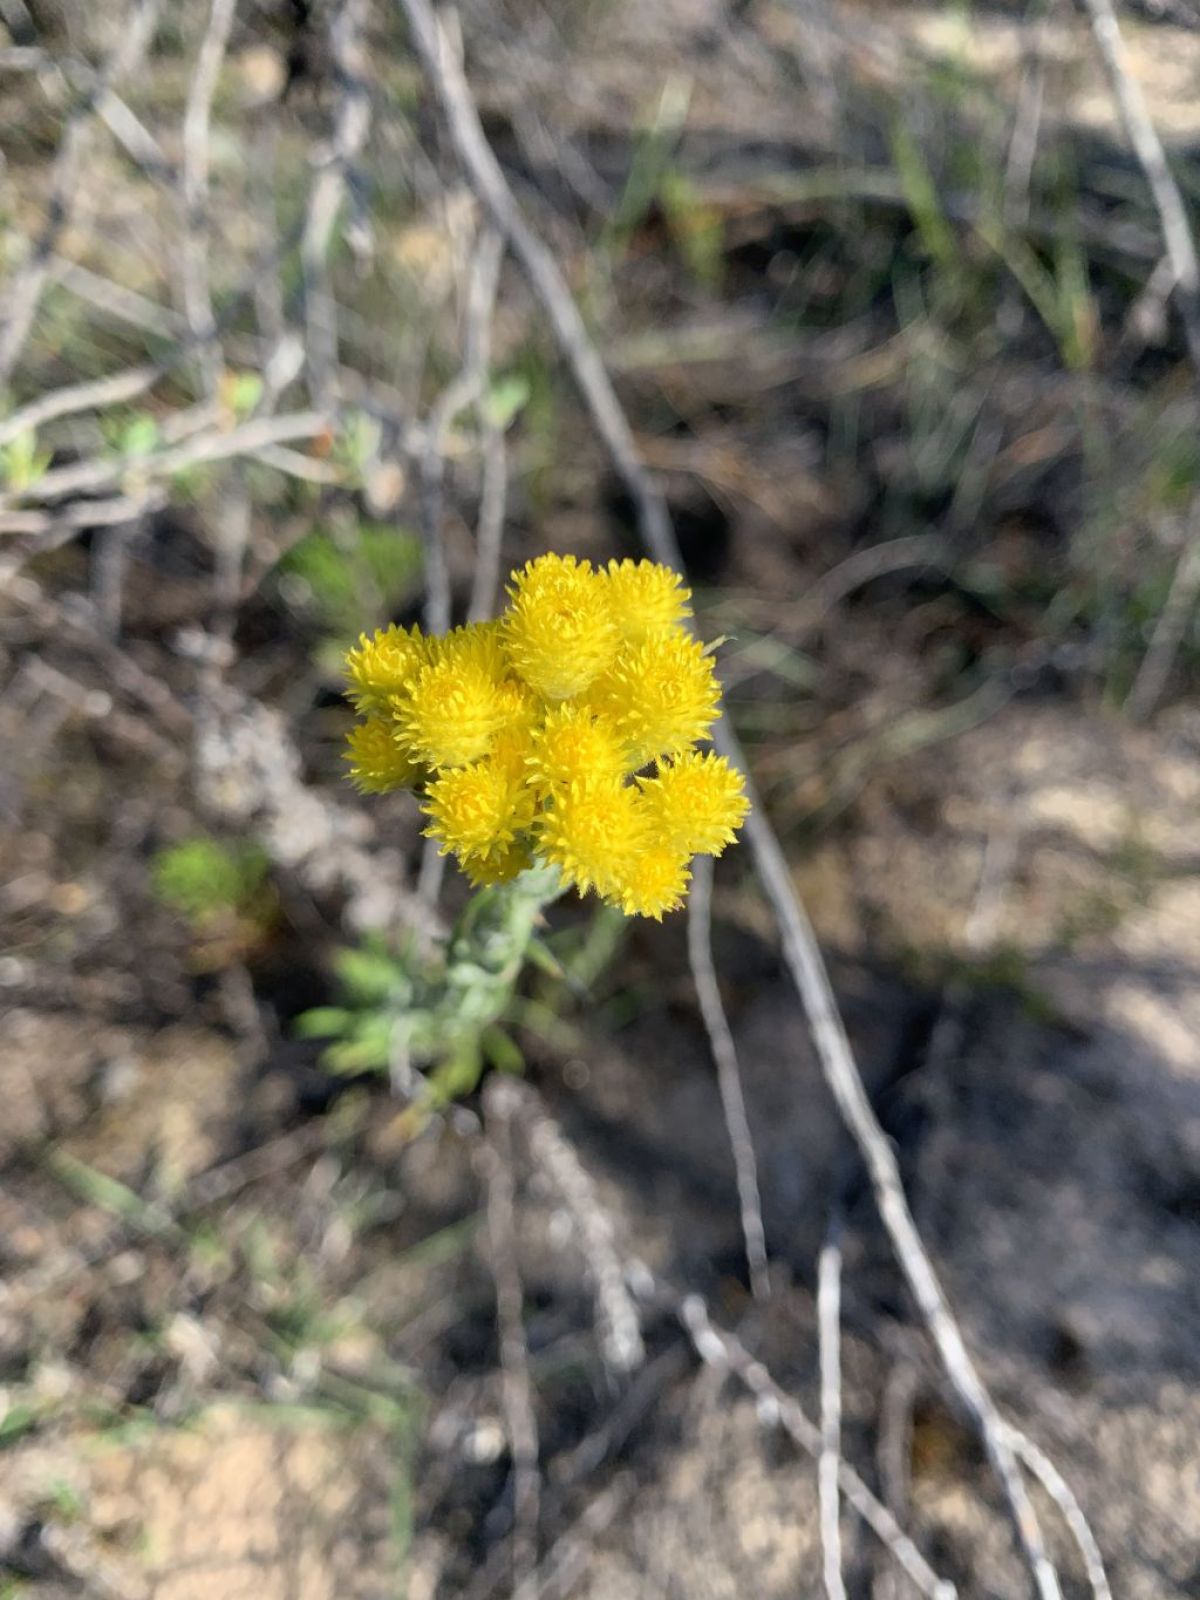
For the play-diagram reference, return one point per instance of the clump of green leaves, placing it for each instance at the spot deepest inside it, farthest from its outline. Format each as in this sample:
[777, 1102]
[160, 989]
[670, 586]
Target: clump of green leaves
[435, 1021]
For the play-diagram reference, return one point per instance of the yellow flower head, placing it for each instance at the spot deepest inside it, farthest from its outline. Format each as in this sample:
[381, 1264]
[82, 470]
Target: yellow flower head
[384, 665]
[662, 695]
[377, 763]
[559, 632]
[450, 713]
[592, 833]
[696, 803]
[478, 811]
[523, 735]
[646, 599]
[519, 706]
[573, 745]
[655, 882]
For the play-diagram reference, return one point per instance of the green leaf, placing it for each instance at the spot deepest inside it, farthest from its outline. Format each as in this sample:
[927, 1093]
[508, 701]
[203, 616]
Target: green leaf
[506, 399]
[369, 1049]
[502, 1052]
[245, 391]
[459, 1074]
[322, 1022]
[140, 436]
[369, 975]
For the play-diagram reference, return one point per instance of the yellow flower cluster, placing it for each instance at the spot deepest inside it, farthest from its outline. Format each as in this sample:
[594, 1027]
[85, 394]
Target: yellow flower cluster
[564, 733]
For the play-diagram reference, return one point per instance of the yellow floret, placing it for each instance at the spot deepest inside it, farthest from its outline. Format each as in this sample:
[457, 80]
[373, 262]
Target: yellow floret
[478, 811]
[499, 867]
[559, 632]
[572, 745]
[377, 763]
[592, 832]
[384, 665]
[662, 695]
[655, 882]
[521, 708]
[478, 644]
[450, 713]
[696, 803]
[646, 599]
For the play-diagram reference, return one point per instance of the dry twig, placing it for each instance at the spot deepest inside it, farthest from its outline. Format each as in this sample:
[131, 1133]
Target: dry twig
[197, 290]
[497, 1158]
[1147, 146]
[829, 1467]
[616, 1312]
[23, 294]
[351, 124]
[722, 1349]
[560, 1162]
[729, 1073]
[1169, 627]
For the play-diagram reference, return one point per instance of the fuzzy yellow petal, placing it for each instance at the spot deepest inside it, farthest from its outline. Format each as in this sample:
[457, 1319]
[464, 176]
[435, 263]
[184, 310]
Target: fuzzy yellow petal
[592, 831]
[477, 811]
[574, 745]
[559, 633]
[646, 599]
[696, 803]
[662, 696]
[384, 665]
[377, 763]
[655, 882]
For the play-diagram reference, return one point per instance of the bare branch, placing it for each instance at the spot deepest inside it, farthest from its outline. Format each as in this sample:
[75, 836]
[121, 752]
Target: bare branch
[1147, 146]
[462, 391]
[829, 1469]
[1169, 627]
[722, 1349]
[729, 1073]
[23, 294]
[489, 525]
[197, 291]
[88, 477]
[446, 78]
[1059, 1490]
[558, 1159]
[616, 1312]
[497, 1159]
[351, 124]
[90, 396]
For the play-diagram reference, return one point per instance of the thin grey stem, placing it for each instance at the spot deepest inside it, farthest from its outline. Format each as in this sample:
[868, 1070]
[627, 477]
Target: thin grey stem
[722, 1349]
[1169, 627]
[1147, 146]
[829, 1469]
[617, 1315]
[1059, 1490]
[351, 125]
[75, 397]
[448, 82]
[729, 1073]
[197, 118]
[463, 390]
[520, 1420]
